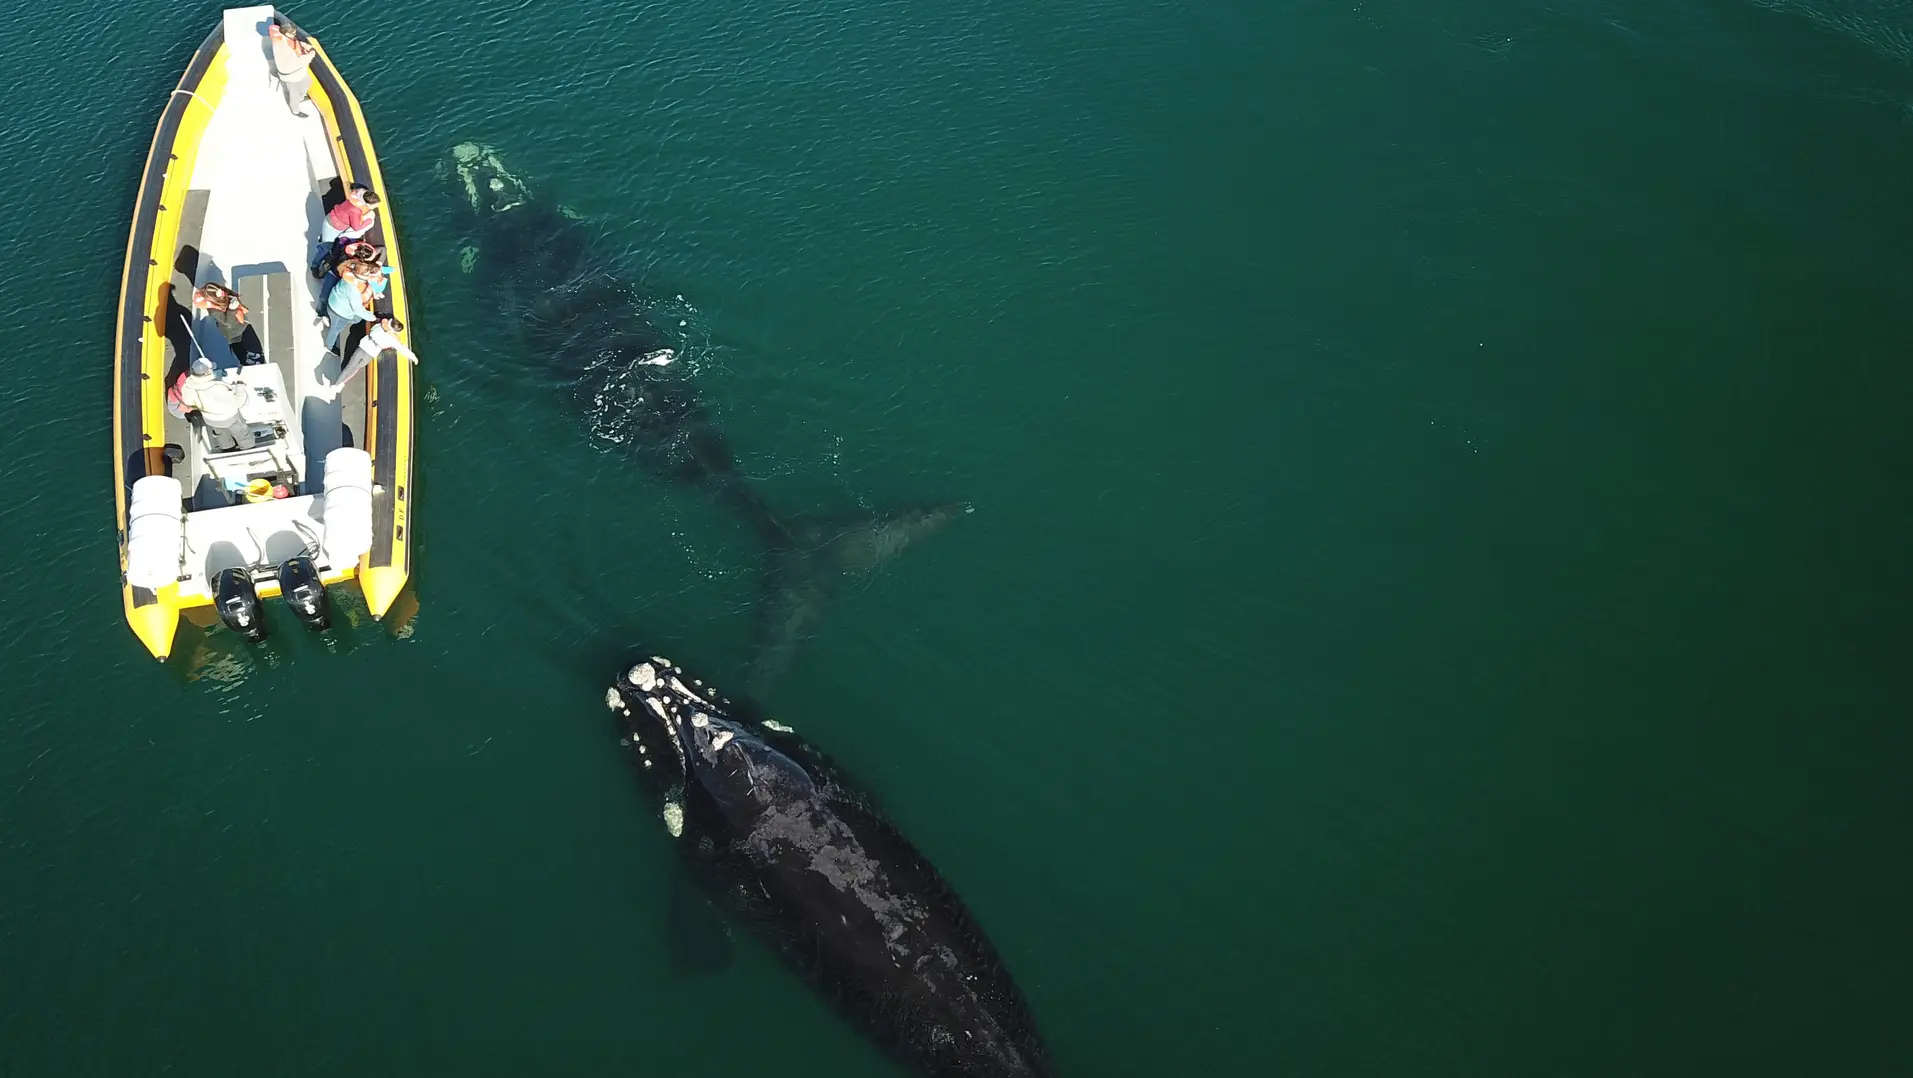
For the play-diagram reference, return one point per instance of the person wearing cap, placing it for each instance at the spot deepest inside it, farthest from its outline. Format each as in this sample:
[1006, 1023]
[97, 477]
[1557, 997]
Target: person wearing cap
[292, 55]
[382, 335]
[350, 220]
[176, 402]
[189, 395]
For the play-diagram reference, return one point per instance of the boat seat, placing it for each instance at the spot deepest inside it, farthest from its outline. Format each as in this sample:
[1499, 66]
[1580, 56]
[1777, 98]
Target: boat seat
[268, 298]
[192, 222]
[260, 462]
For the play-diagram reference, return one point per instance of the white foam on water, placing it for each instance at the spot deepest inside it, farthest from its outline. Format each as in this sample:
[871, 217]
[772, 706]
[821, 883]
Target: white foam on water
[1885, 26]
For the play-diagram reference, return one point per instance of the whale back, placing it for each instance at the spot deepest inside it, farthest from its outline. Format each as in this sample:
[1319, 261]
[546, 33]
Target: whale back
[804, 858]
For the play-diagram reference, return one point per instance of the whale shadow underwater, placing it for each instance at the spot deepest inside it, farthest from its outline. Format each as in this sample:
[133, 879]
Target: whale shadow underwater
[588, 323]
[784, 843]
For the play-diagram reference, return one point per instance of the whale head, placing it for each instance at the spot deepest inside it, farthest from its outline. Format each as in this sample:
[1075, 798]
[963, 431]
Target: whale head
[653, 713]
[525, 248]
[678, 728]
[644, 704]
[489, 187]
[691, 747]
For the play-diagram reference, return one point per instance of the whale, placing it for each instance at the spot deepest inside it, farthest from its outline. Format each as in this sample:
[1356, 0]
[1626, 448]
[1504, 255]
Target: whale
[788, 846]
[582, 319]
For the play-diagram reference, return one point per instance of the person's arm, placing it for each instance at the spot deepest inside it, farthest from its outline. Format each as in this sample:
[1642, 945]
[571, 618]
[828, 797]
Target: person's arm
[358, 304]
[385, 338]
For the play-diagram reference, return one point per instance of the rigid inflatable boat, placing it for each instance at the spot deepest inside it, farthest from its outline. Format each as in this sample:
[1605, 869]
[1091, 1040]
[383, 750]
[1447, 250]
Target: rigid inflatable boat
[275, 481]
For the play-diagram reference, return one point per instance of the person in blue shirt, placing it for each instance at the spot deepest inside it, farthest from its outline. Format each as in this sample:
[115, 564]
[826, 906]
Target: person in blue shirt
[352, 300]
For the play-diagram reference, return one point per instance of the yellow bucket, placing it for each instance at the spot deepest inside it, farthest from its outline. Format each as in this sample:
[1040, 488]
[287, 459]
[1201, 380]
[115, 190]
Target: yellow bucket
[259, 490]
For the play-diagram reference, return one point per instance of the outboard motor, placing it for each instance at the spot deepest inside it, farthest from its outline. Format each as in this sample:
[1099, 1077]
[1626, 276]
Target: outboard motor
[302, 590]
[238, 604]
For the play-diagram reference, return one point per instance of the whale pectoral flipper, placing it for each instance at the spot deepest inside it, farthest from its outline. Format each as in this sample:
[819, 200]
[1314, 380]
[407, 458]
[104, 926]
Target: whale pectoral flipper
[697, 939]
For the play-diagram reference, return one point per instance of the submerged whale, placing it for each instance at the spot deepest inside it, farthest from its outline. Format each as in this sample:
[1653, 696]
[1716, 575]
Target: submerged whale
[784, 842]
[589, 324]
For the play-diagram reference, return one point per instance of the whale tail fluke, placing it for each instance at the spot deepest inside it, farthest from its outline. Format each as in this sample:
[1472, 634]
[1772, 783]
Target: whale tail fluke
[806, 557]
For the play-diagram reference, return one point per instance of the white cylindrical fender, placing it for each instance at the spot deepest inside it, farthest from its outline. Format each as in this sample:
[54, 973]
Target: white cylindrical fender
[155, 532]
[348, 506]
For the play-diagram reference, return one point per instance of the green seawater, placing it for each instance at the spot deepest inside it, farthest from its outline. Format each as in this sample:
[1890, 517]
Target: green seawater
[1436, 602]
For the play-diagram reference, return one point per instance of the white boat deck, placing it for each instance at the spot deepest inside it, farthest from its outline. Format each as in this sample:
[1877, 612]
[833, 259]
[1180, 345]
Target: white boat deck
[262, 169]
[267, 533]
[260, 175]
